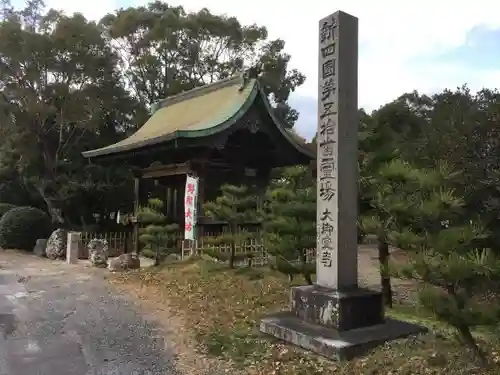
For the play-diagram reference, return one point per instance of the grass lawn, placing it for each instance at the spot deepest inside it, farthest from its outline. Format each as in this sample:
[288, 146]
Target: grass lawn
[221, 310]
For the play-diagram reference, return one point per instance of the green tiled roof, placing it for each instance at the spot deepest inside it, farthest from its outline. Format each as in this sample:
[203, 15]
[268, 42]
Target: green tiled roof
[196, 113]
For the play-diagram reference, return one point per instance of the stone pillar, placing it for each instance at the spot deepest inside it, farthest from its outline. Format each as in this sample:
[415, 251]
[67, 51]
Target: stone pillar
[72, 247]
[329, 317]
[337, 153]
[336, 300]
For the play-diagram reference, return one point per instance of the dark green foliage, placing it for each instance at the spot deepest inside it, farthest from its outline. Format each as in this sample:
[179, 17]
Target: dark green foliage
[386, 186]
[4, 208]
[103, 79]
[446, 255]
[290, 222]
[83, 105]
[14, 192]
[413, 198]
[460, 128]
[236, 206]
[214, 46]
[156, 234]
[383, 173]
[150, 253]
[22, 226]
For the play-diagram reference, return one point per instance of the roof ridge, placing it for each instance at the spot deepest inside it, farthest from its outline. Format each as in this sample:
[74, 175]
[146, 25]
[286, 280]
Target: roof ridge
[286, 133]
[197, 91]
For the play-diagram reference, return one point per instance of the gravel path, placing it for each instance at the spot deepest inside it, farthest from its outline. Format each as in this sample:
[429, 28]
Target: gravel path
[59, 319]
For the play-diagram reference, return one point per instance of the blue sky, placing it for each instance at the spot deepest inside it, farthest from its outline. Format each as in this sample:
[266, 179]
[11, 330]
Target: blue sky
[427, 45]
[481, 50]
[480, 53]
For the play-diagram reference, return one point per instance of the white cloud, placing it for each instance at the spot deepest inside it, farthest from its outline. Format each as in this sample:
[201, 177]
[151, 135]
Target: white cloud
[92, 9]
[392, 33]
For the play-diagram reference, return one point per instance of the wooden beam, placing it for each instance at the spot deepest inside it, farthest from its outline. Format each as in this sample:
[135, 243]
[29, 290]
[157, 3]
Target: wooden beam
[166, 170]
[203, 164]
[221, 166]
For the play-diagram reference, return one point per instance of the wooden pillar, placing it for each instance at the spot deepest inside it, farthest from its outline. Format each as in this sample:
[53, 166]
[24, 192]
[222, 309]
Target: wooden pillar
[200, 212]
[136, 213]
[201, 196]
[263, 179]
[168, 201]
[202, 173]
[179, 199]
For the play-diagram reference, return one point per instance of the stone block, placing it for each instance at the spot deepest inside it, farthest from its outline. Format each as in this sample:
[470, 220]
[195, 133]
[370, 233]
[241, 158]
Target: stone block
[72, 248]
[98, 252]
[340, 310]
[330, 342]
[129, 261]
[56, 245]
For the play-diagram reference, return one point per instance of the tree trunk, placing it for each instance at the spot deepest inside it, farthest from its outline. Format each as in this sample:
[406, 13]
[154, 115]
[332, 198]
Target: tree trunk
[125, 243]
[305, 273]
[83, 222]
[465, 332]
[157, 256]
[233, 229]
[53, 211]
[385, 278]
[471, 343]
[232, 255]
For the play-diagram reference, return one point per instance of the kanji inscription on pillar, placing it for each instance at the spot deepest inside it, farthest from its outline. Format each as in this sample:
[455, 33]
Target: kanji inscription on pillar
[337, 152]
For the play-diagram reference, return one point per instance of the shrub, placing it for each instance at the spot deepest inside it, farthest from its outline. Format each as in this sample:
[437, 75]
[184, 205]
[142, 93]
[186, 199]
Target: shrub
[146, 252]
[4, 208]
[157, 233]
[22, 226]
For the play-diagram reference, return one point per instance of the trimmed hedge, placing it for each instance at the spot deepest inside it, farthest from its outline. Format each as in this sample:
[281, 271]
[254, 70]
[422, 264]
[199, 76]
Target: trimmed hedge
[5, 207]
[22, 226]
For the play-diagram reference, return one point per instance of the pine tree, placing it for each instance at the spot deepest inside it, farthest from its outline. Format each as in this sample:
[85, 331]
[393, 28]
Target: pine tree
[381, 176]
[290, 222]
[386, 189]
[236, 205]
[156, 235]
[445, 248]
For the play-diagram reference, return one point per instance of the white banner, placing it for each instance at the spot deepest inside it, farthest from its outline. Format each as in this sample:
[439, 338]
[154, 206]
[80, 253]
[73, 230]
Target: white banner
[190, 200]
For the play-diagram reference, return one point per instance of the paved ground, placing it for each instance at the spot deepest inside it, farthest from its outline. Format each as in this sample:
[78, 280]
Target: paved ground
[57, 319]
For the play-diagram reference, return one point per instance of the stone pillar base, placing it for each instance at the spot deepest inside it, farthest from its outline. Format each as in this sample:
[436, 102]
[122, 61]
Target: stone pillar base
[340, 310]
[337, 325]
